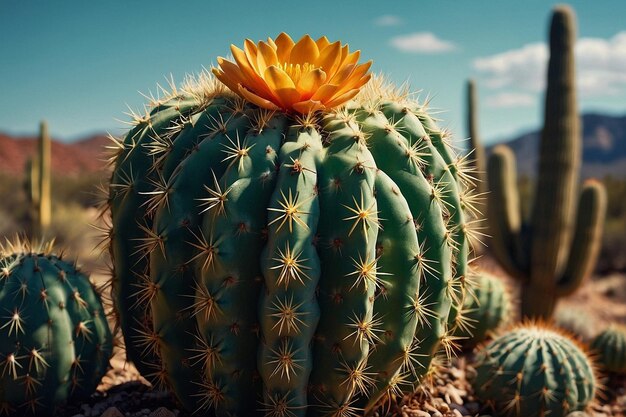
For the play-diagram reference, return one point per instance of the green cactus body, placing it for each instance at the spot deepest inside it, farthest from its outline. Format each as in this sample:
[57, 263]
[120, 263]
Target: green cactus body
[534, 371]
[42, 195]
[553, 252]
[485, 311]
[132, 179]
[294, 261]
[478, 158]
[55, 342]
[610, 346]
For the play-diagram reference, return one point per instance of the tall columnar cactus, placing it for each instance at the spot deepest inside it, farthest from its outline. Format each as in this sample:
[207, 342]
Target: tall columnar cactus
[534, 371]
[552, 254]
[478, 158]
[289, 251]
[610, 346]
[43, 203]
[55, 341]
[485, 311]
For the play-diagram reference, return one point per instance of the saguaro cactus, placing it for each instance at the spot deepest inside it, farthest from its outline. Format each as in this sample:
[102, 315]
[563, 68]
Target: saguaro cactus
[556, 249]
[292, 251]
[43, 204]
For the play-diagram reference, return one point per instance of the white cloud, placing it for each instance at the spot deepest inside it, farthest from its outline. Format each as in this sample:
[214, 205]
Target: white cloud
[388, 20]
[600, 67]
[422, 42]
[508, 99]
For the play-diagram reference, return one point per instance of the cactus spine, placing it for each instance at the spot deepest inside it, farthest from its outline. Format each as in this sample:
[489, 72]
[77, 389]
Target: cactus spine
[610, 346]
[345, 227]
[55, 339]
[534, 371]
[552, 254]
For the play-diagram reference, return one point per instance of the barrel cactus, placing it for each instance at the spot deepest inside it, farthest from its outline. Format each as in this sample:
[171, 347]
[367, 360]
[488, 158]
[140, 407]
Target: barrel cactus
[534, 371]
[55, 343]
[288, 236]
[610, 345]
[485, 311]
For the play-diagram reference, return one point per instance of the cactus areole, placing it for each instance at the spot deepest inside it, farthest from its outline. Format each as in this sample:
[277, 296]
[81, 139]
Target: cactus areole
[288, 236]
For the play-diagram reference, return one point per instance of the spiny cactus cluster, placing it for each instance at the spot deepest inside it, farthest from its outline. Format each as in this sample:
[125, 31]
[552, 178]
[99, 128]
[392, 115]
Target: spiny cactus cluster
[270, 262]
[556, 249]
[55, 342]
[610, 345]
[534, 371]
[486, 310]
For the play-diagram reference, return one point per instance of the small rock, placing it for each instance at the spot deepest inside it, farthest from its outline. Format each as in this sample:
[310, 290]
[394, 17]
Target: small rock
[112, 412]
[472, 408]
[162, 412]
[461, 409]
[420, 413]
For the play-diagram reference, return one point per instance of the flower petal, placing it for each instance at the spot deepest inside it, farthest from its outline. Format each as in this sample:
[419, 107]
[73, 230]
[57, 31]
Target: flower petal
[330, 58]
[284, 45]
[307, 106]
[277, 78]
[356, 79]
[342, 98]
[259, 101]
[310, 82]
[304, 51]
[253, 80]
[282, 85]
[322, 43]
[250, 50]
[342, 75]
[266, 56]
[325, 92]
[228, 73]
[352, 58]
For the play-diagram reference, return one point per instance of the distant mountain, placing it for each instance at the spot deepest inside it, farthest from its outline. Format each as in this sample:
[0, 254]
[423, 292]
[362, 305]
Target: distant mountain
[604, 150]
[604, 147]
[84, 156]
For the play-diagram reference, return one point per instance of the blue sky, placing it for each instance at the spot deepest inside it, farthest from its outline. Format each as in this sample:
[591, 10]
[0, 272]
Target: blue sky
[79, 63]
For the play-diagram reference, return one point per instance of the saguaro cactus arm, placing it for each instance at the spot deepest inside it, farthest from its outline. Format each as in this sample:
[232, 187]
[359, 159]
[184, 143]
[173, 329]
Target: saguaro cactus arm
[503, 211]
[587, 238]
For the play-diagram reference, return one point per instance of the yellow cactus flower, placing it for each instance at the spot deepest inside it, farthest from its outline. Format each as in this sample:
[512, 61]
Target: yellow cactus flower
[302, 77]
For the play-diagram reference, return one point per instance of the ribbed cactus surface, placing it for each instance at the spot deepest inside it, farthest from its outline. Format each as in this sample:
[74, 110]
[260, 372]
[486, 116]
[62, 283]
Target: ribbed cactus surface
[533, 371]
[553, 251]
[55, 341]
[270, 262]
[484, 311]
[610, 346]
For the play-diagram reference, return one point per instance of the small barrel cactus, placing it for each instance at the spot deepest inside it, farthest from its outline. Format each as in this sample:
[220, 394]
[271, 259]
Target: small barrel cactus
[534, 371]
[55, 341]
[286, 242]
[610, 345]
[484, 311]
